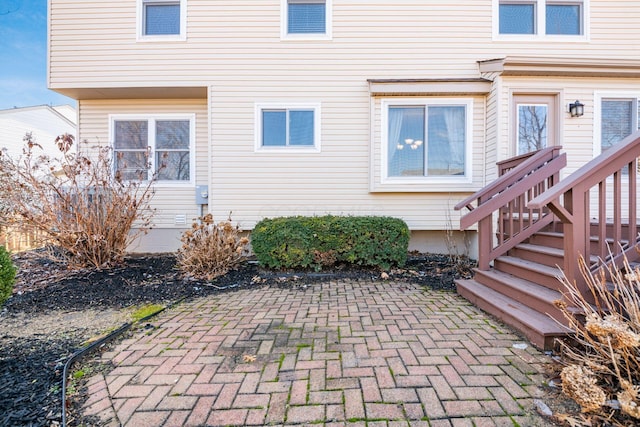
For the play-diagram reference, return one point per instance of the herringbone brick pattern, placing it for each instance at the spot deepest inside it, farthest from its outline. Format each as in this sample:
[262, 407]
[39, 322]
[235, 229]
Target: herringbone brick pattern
[333, 354]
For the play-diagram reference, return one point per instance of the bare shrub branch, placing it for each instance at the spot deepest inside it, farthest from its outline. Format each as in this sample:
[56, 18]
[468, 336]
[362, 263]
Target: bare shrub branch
[84, 209]
[210, 250]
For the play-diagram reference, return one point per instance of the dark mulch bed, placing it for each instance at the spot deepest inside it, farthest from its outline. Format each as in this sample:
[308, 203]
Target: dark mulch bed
[30, 368]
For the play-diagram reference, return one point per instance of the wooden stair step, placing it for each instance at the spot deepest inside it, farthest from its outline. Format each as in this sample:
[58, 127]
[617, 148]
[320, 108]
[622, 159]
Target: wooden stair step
[538, 273]
[526, 288]
[547, 255]
[539, 328]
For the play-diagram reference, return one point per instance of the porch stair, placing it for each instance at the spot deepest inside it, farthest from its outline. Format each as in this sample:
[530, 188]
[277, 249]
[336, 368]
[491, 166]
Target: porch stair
[533, 227]
[520, 290]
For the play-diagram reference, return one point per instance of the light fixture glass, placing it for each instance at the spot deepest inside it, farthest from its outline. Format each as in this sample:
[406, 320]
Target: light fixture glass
[576, 109]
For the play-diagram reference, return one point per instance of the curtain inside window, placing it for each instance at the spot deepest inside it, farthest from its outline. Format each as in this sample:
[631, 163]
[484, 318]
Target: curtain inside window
[406, 141]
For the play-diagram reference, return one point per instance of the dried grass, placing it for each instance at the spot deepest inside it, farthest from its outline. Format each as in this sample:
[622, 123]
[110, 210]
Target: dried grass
[210, 250]
[603, 371]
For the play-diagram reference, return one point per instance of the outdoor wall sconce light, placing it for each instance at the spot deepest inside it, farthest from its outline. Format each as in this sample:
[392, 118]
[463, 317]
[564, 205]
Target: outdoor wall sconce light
[576, 109]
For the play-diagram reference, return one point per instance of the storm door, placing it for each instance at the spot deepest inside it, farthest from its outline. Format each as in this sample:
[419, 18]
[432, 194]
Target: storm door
[534, 122]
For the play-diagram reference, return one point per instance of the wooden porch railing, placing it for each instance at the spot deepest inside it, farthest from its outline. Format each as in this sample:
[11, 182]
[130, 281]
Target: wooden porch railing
[505, 202]
[597, 203]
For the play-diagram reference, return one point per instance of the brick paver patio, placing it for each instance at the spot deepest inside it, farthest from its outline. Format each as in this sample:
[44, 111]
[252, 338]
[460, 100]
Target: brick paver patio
[333, 354]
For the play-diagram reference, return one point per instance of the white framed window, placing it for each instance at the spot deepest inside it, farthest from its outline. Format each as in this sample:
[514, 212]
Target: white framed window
[289, 127]
[306, 19]
[146, 144]
[617, 115]
[426, 140]
[551, 19]
[162, 20]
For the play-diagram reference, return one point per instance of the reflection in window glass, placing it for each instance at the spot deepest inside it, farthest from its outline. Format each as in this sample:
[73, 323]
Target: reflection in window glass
[172, 145]
[532, 127]
[617, 121]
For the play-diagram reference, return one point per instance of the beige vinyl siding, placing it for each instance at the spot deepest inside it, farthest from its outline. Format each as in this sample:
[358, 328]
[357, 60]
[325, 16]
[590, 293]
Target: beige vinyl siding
[93, 43]
[257, 184]
[173, 199]
[576, 133]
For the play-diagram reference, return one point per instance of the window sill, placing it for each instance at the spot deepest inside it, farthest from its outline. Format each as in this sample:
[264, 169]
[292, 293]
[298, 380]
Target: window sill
[430, 185]
[160, 39]
[287, 150]
[306, 37]
[540, 38]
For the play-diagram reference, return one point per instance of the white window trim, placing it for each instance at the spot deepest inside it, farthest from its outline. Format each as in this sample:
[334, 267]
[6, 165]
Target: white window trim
[259, 107]
[152, 118]
[426, 180]
[141, 37]
[284, 19]
[541, 24]
[597, 113]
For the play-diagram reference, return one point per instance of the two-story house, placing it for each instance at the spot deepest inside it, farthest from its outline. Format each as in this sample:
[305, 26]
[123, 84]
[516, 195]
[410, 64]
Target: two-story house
[266, 108]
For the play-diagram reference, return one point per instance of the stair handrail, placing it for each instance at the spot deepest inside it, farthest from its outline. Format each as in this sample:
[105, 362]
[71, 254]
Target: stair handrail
[568, 201]
[531, 161]
[508, 196]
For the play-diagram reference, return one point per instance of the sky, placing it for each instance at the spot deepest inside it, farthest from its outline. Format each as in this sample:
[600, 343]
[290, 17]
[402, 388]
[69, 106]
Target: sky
[23, 55]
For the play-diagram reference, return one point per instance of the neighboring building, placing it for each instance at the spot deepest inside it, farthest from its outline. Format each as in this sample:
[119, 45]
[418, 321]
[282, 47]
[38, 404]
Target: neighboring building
[399, 108]
[44, 123]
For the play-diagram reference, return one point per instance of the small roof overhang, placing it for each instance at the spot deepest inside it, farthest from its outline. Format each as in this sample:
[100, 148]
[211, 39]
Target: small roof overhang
[431, 87]
[561, 67]
[171, 92]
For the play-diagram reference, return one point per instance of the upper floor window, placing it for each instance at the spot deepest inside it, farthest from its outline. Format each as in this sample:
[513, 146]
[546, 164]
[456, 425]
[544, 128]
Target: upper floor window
[288, 126]
[306, 19]
[541, 17]
[146, 145]
[426, 139]
[161, 19]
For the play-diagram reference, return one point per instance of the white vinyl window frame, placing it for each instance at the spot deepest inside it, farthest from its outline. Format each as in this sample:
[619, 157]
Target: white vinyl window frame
[540, 23]
[140, 21]
[597, 113]
[284, 24]
[151, 129]
[287, 106]
[427, 182]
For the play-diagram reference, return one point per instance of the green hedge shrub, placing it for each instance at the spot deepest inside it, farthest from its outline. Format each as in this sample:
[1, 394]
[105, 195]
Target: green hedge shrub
[314, 242]
[7, 275]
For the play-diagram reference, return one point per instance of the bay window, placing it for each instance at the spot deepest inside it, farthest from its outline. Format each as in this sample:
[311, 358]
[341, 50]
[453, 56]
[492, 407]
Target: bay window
[426, 140]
